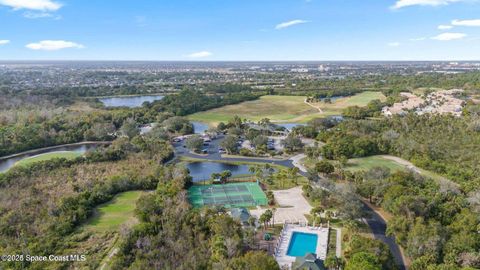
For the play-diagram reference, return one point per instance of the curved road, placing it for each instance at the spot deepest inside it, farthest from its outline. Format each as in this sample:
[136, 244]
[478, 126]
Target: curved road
[214, 155]
[376, 223]
[378, 226]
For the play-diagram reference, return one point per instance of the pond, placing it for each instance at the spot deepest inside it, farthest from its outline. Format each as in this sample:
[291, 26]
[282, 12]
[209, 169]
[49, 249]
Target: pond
[199, 127]
[203, 170]
[338, 118]
[6, 164]
[289, 126]
[129, 101]
[332, 99]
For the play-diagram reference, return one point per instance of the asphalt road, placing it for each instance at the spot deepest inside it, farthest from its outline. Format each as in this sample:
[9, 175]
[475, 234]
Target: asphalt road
[376, 223]
[214, 155]
[378, 226]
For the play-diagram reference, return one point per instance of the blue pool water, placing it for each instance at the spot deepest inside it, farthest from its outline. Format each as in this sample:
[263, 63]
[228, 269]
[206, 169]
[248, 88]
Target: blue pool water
[302, 243]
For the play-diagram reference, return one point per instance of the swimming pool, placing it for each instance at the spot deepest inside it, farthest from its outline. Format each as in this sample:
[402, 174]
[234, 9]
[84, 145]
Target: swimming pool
[302, 243]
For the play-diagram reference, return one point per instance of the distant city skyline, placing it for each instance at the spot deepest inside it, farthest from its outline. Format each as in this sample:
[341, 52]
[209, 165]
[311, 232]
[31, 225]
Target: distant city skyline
[246, 30]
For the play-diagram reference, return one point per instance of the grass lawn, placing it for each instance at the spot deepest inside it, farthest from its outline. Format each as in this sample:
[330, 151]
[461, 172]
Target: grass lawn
[48, 156]
[366, 163]
[287, 183]
[110, 216]
[286, 109]
[337, 106]
[362, 99]
[276, 108]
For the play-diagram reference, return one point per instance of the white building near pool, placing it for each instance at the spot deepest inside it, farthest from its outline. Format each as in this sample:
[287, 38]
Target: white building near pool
[282, 251]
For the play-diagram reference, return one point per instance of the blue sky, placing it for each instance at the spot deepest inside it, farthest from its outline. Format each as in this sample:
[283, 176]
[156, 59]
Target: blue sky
[240, 30]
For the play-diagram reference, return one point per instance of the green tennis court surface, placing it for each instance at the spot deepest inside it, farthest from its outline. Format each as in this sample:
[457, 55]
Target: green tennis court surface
[227, 195]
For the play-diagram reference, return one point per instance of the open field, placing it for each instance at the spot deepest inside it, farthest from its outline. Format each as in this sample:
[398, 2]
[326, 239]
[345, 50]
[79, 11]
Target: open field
[110, 216]
[366, 163]
[361, 100]
[276, 108]
[48, 156]
[287, 109]
[391, 162]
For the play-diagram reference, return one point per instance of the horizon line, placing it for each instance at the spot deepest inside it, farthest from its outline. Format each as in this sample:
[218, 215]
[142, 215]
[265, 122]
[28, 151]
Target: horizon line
[238, 61]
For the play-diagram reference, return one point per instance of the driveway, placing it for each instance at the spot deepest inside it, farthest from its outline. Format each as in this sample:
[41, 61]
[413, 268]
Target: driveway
[296, 161]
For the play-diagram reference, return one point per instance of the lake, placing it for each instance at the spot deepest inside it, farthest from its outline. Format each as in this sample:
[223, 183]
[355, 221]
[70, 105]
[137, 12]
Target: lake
[199, 127]
[128, 101]
[10, 162]
[203, 170]
[289, 126]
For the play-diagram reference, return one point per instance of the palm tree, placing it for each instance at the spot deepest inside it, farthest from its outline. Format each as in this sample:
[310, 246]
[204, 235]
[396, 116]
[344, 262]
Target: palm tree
[292, 174]
[269, 215]
[316, 212]
[274, 209]
[283, 176]
[328, 216]
[257, 171]
[265, 218]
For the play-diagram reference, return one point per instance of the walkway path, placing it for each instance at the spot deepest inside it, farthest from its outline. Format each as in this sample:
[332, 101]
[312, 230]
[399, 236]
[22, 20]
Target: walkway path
[296, 161]
[313, 106]
[338, 245]
[418, 170]
[403, 162]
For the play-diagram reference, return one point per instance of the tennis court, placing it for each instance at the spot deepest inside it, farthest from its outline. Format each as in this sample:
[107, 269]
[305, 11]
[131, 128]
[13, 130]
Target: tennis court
[227, 195]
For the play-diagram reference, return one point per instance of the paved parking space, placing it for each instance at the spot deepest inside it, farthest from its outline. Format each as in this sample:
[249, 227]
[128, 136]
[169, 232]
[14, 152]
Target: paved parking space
[292, 206]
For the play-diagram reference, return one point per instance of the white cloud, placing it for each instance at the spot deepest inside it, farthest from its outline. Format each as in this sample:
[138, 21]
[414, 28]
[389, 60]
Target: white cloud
[289, 23]
[406, 3]
[4, 41]
[466, 22]
[449, 36]
[418, 39]
[394, 44]
[39, 15]
[201, 54]
[53, 45]
[43, 5]
[444, 27]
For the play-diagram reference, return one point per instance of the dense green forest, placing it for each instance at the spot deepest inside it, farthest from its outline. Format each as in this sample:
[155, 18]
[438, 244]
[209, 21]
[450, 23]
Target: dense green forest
[392, 83]
[43, 204]
[435, 221]
[172, 235]
[447, 145]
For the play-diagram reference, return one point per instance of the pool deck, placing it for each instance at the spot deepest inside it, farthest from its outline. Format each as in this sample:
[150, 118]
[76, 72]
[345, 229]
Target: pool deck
[281, 253]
